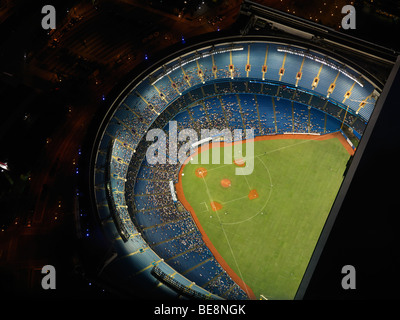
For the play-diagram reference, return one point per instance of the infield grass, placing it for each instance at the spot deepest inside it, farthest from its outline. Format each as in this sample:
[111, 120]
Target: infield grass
[268, 241]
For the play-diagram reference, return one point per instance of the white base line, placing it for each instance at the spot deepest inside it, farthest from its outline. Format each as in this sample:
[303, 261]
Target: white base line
[205, 206]
[233, 200]
[226, 237]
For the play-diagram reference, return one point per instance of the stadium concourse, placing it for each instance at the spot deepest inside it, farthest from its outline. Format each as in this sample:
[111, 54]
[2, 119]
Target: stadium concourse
[270, 86]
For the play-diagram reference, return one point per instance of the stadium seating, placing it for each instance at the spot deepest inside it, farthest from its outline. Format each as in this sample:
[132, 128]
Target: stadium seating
[237, 86]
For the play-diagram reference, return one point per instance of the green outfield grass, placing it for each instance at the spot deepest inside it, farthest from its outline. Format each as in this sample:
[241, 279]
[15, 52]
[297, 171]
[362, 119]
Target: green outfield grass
[268, 241]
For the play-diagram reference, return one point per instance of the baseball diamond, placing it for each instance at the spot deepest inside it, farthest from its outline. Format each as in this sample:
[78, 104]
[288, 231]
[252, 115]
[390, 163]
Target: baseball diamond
[277, 211]
[200, 230]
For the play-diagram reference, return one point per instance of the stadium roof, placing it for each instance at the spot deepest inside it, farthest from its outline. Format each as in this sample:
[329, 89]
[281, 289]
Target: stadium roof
[377, 61]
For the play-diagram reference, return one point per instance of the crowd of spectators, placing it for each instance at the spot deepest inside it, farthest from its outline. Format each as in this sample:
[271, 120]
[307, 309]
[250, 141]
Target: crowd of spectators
[140, 190]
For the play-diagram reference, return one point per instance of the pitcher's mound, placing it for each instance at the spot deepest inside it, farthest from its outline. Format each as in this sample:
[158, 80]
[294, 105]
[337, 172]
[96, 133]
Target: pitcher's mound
[253, 194]
[201, 172]
[215, 206]
[239, 162]
[225, 183]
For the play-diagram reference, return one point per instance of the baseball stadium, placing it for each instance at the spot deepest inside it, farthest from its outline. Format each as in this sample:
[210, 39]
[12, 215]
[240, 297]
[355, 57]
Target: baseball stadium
[195, 229]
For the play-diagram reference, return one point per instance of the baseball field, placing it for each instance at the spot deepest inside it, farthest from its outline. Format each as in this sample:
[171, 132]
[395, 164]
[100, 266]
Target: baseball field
[263, 227]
